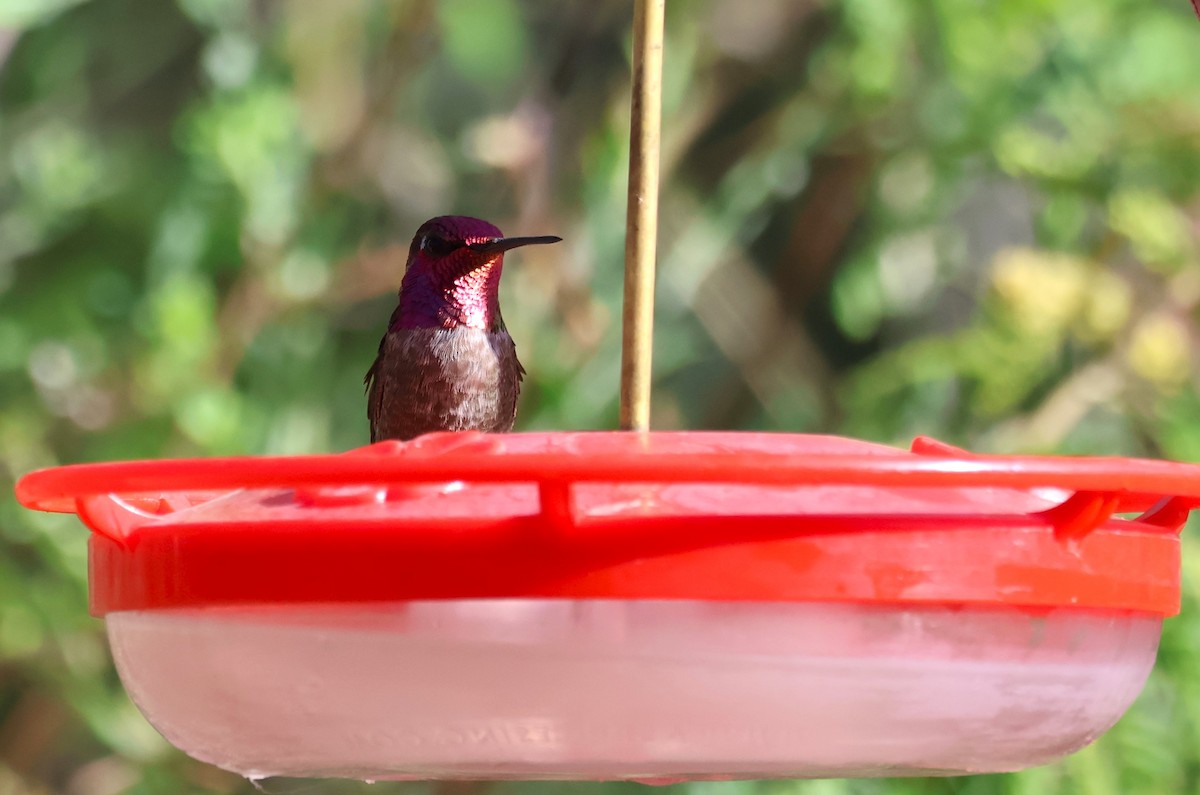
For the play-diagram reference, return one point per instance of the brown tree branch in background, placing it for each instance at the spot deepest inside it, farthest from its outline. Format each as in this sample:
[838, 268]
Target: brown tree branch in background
[30, 731]
[821, 224]
[772, 352]
[748, 98]
[741, 117]
[410, 44]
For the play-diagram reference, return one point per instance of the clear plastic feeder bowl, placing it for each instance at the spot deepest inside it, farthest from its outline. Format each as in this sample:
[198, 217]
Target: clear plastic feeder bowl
[608, 605]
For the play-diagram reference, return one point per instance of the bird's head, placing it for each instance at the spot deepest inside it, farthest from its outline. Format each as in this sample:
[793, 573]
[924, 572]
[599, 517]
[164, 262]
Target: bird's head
[452, 277]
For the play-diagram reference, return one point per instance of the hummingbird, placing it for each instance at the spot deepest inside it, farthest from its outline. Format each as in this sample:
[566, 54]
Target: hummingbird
[447, 362]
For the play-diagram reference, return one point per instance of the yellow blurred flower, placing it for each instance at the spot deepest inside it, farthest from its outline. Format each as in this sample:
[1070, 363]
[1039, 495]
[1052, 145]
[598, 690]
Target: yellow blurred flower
[1044, 291]
[1107, 306]
[1155, 227]
[1160, 349]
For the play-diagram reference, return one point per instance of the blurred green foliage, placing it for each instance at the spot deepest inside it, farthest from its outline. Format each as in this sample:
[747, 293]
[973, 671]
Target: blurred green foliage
[880, 218]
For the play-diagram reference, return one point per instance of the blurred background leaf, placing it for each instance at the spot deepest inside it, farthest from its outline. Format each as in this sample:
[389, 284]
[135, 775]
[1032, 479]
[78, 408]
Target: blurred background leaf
[880, 218]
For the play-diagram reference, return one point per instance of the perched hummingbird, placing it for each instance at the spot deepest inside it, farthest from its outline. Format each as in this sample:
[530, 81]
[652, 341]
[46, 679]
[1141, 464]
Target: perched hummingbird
[447, 362]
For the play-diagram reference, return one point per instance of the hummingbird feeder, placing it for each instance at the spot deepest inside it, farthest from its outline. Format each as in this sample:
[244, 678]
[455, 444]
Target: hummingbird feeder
[630, 605]
[613, 605]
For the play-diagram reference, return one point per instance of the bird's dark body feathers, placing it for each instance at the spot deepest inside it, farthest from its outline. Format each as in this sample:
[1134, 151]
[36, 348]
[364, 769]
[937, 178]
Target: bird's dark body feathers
[437, 379]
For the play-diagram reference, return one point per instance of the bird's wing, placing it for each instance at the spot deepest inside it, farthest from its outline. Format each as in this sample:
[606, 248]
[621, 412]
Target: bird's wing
[520, 367]
[374, 384]
[374, 387]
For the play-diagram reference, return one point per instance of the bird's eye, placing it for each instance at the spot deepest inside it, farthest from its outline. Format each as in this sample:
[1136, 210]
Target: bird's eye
[437, 246]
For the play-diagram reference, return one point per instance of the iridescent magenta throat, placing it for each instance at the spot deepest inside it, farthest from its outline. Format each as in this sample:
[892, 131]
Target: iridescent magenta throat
[440, 295]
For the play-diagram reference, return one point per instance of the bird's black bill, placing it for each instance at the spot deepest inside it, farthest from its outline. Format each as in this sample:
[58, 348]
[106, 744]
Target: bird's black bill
[501, 244]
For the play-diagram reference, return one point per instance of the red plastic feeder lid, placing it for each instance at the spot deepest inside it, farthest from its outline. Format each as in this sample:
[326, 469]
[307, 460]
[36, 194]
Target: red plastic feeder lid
[711, 516]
